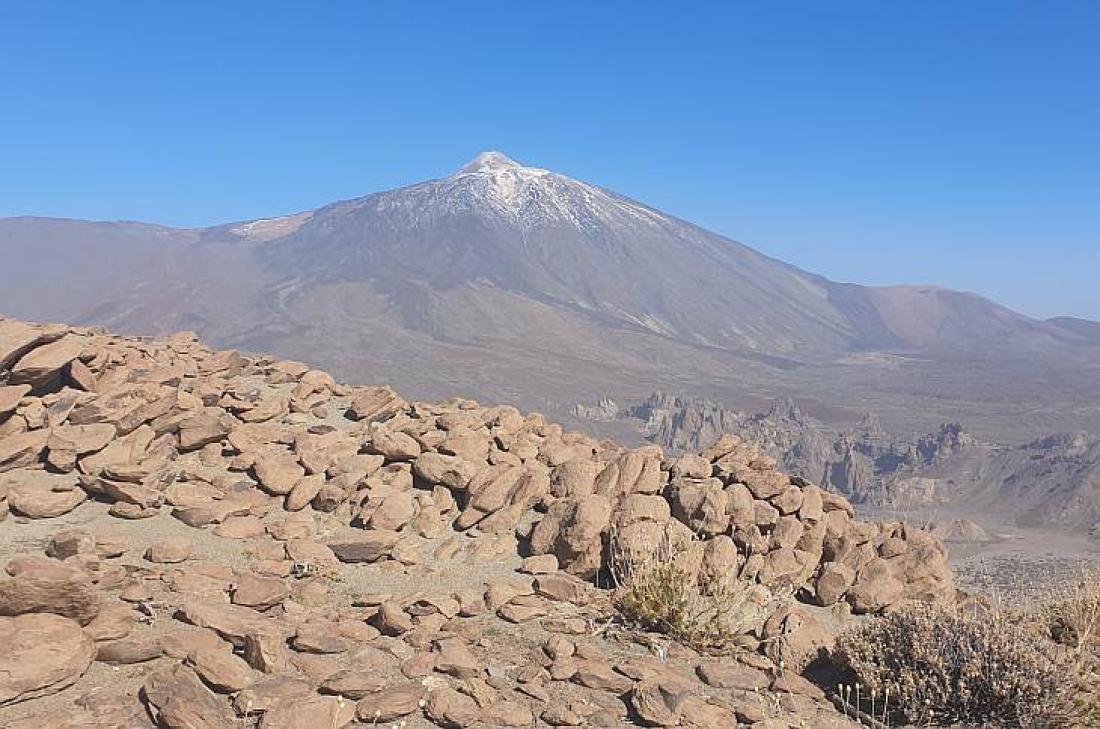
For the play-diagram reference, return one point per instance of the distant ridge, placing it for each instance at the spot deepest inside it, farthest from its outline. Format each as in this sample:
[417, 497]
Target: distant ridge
[515, 282]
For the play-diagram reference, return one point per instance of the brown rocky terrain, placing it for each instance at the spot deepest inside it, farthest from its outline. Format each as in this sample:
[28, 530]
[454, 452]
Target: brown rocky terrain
[199, 538]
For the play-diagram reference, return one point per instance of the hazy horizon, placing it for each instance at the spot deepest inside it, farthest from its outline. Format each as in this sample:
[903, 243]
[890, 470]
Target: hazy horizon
[943, 145]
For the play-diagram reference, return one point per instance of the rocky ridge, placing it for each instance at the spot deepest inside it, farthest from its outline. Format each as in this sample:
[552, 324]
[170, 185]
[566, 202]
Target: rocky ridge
[1049, 482]
[251, 543]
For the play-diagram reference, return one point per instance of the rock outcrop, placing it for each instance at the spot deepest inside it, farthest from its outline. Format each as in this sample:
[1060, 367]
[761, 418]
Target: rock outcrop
[316, 482]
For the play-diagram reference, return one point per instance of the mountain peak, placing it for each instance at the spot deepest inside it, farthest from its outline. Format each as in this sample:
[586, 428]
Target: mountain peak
[489, 161]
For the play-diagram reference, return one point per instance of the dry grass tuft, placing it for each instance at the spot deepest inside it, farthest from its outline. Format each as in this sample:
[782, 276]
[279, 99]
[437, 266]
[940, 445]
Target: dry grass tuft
[708, 612]
[1072, 615]
[941, 666]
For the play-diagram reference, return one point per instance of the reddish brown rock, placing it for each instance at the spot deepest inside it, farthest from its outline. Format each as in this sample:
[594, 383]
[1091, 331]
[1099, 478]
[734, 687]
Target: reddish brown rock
[71, 542]
[38, 503]
[42, 655]
[21, 450]
[450, 709]
[656, 704]
[220, 669]
[375, 403]
[352, 684]
[10, 395]
[43, 366]
[875, 588]
[169, 551]
[390, 703]
[232, 622]
[278, 474]
[260, 593]
[199, 430]
[267, 693]
[572, 530]
[392, 444]
[314, 712]
[39, 585]
[833, 582]
[304, 492]
[128, 651]
[437, 468]
[179, 700]
[370, 546]
[455, 658]
[729, 674]
[17, 339]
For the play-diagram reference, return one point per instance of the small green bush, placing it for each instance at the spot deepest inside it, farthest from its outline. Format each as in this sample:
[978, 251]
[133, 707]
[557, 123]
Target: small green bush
[938, 666]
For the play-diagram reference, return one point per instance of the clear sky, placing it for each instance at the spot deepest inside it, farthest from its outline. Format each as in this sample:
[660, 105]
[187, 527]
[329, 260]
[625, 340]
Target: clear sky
[955, 143]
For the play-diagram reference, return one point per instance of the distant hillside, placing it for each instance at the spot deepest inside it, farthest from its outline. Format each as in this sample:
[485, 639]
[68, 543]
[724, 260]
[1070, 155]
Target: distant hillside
[1082, 327]
[515, 283]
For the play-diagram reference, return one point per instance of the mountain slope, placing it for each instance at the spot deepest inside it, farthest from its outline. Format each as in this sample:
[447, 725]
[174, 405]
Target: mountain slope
[546, 237]
[557, 241]
[501, 273]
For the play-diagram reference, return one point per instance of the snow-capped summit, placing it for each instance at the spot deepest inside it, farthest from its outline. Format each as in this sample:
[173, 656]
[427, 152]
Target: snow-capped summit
[503, 183]
[489, 161]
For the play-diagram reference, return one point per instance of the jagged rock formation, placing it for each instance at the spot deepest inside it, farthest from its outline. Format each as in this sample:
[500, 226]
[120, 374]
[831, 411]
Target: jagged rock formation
[605, 410]
[1051, 482]
[310, 553]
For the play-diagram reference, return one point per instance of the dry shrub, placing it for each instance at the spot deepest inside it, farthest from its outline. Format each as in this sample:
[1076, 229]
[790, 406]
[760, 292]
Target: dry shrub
[940, 666]
[710, 613]
[1072, 615]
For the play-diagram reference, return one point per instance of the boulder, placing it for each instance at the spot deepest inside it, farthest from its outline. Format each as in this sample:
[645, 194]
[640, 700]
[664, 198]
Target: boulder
[375, 403]
[701, 505]
[575, 478]
[42, 367]
[656, 704]
[40, 585]
[313, 712]
[390, 703]
[437, 468]
[730, 674]
[40, 503]
[393, 445]
[232, 622]
[22, 450]
[10, 395]
[169, 551]
[450, 709]
[42, 655]
[875, 588]
[17, 339]
[278, 474]
[260, 593]
[370, 546]
[203, 429]
[352, 684]
[178, 699]
[572, 530]
[833, 582]
[220, 669]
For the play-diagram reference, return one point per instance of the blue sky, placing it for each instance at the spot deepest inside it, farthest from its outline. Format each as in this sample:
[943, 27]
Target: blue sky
[955, 143]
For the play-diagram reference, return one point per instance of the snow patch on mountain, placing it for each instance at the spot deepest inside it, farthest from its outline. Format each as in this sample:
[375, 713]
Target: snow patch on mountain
[533, 197]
